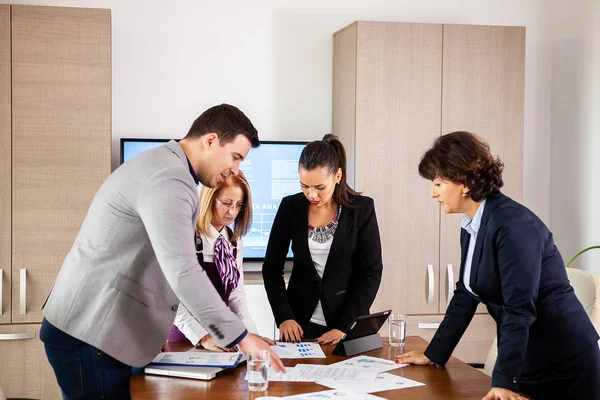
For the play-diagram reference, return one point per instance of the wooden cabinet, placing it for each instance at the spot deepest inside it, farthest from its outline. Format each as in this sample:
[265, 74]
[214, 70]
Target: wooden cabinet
[26, 372]
[55, 134]
[474, 342]
[396, 88]
[5, 165]
[386, 112]
[61, 124]
[483, 92]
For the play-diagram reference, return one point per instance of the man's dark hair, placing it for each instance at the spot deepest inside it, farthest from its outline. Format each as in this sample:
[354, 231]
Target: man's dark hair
[227, 122]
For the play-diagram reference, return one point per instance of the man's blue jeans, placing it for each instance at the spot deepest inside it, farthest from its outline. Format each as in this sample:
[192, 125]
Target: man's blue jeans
[84, 372]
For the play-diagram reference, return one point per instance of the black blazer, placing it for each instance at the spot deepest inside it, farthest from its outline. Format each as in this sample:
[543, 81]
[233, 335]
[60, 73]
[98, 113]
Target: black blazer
[352, 272]
[519, 274]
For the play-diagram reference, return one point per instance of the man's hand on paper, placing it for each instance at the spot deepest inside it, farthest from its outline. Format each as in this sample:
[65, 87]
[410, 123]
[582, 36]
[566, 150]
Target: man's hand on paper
[254, 342]
[413, 357]
[269, 341]
[331, 337]
[502, 394]
[208, 342]
[290, 331]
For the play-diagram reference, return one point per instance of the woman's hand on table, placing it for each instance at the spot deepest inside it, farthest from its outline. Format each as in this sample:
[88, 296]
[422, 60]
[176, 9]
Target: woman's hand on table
[413, 357]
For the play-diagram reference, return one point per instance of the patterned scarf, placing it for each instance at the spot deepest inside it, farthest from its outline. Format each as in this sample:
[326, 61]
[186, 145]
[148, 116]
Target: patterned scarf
[226, 264]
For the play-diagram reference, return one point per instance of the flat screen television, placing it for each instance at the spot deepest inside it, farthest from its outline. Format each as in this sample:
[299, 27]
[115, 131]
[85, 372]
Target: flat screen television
[272, 172]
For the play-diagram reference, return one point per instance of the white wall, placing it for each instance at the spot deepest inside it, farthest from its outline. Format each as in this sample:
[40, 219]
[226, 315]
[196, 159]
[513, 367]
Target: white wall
[574, 30]
[173, 59]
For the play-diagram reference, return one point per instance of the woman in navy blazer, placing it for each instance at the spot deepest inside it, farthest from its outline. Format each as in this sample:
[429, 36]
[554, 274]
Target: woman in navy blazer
[547, 345]
[337, 250]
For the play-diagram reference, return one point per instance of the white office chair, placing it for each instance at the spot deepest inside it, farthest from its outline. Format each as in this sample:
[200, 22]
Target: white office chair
[587, 289]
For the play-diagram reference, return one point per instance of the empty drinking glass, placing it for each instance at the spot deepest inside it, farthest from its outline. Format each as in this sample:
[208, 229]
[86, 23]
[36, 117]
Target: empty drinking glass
[397, 329]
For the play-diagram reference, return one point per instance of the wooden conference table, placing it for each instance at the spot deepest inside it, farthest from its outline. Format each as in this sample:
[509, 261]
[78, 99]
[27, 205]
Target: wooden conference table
[456, 381]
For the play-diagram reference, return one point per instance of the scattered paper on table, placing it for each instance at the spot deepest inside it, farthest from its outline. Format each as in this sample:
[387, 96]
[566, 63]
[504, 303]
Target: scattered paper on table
[318, 372]
[333, 394]
[281, 377]
[298, 350]
[313, 373]
[367, 362]
[383, 382]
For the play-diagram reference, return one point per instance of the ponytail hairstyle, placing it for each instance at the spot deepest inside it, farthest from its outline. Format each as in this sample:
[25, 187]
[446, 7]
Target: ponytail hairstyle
[329, 153]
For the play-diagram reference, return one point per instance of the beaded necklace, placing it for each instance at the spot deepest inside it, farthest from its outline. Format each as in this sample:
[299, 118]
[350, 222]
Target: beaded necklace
[325, 233]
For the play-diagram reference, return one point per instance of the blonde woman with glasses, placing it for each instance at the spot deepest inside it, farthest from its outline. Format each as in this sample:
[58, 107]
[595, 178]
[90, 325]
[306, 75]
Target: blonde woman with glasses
[219, 250]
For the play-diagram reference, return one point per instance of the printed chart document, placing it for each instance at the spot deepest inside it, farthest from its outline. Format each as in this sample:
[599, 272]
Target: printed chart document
[383, 382]
[198, 359]
[333, 394]
[281, 377]
[366, 362]
[313, 373]
[319, 372]
[298, 350]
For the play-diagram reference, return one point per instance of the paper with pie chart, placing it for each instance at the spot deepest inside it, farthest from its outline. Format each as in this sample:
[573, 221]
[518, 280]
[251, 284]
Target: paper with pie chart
[367, 362]
[383, 382]
[298, 350]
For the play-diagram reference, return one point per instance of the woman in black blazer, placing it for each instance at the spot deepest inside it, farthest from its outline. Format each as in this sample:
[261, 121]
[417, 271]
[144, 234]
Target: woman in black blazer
[547, 345]
[337, 251]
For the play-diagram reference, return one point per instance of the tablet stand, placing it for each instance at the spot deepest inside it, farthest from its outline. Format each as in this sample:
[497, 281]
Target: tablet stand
[358, 345]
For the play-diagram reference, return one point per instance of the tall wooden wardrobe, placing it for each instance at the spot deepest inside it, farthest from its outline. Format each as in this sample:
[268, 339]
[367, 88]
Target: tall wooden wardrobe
[55, 134]
[396, 88]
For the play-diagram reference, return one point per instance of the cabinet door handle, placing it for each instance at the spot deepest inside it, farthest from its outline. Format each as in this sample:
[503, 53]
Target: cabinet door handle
[23, 290]
[18, 336]
[450, 282]
[431, 286]
[1, 285]
[428, 325]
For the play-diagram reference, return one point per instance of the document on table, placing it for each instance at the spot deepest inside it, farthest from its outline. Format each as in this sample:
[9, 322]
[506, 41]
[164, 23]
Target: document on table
[281, 377]
[318, 372]
[333, 394]
[198, 359]
[313, 373]
[383, 382]
[289, 376]
[298, 350]
[366, 362]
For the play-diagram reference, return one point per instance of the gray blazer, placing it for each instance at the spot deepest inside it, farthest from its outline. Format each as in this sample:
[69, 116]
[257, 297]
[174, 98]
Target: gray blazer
[134, 260]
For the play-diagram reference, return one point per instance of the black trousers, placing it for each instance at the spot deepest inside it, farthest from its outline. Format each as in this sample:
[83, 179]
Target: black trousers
[313, 331]
[575, 378]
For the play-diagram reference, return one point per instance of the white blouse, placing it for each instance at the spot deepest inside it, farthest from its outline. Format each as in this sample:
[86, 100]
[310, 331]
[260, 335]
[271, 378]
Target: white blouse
[319, 252]
[190, 326]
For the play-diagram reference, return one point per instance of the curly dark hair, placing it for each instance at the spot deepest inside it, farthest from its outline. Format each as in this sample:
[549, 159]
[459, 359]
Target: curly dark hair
[464, 158]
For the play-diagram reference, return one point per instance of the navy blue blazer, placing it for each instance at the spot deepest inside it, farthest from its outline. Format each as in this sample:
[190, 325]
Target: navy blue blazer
[519, 274]
[352, 272]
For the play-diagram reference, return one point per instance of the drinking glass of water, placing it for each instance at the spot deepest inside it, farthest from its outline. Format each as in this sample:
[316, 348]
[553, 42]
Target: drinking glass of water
[397, 329]
[258, 370]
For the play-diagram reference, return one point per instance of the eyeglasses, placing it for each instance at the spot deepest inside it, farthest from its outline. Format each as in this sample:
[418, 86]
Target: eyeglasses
[231, 205]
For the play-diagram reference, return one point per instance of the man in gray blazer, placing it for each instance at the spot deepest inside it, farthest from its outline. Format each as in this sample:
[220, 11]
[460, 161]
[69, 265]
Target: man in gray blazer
[116, 295]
